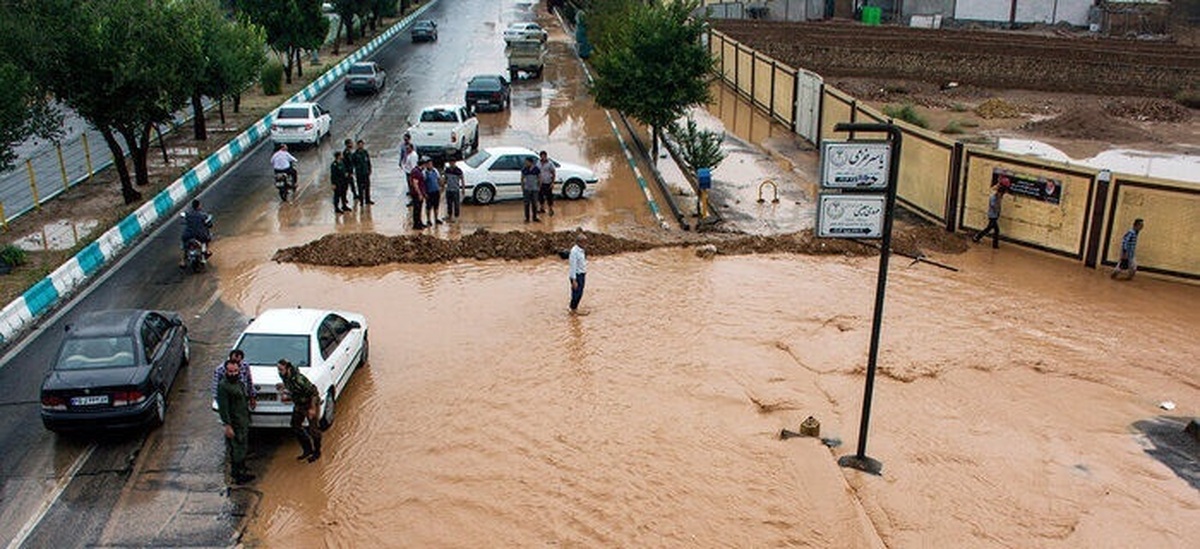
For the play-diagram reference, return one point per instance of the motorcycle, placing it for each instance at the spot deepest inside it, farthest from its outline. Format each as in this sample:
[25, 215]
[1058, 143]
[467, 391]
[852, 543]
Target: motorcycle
[195, 251]
[284, 184]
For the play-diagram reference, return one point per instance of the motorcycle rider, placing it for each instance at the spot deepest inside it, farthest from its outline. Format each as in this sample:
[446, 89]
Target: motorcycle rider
[196, 225]
[283, 162]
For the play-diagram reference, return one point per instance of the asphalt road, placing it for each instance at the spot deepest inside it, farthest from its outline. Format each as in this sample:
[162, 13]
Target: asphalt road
[166, 487]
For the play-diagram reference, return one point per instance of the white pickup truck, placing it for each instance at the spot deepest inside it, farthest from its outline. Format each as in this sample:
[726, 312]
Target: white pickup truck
[445, 131]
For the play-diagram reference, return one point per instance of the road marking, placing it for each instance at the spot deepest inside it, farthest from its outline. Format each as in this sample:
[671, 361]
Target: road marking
[212, 300]
[44, 508]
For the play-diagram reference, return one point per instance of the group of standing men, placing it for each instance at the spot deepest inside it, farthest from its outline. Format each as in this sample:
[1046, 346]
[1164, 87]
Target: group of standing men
[350, 173]
[537, 186]
[235, 394]
[426, 185]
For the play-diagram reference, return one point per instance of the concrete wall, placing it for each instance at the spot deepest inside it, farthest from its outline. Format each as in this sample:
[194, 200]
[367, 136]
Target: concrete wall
[982, 10]
[926, 7]
[1028, 11]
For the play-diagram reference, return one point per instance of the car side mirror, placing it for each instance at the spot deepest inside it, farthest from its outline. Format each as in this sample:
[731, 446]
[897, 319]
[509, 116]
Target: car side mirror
[354, 325]
[176, 322]
[324, 111]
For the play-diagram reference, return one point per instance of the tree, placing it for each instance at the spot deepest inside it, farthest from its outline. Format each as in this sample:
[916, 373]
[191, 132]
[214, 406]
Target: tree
[25, 112]
[348, 11]
[291, 26]
[699, 148]
[232, 54]
[653, 66]
[127, 66]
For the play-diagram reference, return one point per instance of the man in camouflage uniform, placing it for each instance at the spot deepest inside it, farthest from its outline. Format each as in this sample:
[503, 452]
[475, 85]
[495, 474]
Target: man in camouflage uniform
[305, 404]
[234, 408]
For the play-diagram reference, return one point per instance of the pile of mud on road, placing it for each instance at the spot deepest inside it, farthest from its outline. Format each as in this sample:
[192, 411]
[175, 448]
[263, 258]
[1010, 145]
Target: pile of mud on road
[370, 249]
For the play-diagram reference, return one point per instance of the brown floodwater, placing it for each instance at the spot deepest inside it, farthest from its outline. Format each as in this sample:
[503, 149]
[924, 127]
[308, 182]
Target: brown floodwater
[489, 417]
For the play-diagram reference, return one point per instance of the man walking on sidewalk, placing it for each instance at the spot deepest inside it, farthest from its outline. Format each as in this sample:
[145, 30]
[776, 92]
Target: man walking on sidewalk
[529, 189]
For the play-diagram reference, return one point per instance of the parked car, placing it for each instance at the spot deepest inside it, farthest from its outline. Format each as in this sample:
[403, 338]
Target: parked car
[494, 173]
[488, 90]
[365, 77]
[114, 369]
[300, 123]
[525, 31]
[423, 31]
[445, 131]
[326, 346]
[528, 56]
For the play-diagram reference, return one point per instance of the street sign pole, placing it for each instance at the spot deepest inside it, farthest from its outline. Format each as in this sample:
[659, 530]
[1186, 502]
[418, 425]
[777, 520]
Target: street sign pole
[860, 460]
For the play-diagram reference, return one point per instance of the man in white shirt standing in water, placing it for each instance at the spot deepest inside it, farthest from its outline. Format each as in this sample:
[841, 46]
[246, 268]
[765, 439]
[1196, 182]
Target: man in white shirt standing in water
[578, 271]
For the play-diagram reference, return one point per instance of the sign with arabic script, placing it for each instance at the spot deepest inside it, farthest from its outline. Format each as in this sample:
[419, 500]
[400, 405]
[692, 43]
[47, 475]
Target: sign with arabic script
[855, 165]
[850, 215]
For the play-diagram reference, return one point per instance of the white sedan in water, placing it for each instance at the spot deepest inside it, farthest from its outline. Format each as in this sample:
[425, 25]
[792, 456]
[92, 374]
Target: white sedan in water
[494, 174]
[326, 346]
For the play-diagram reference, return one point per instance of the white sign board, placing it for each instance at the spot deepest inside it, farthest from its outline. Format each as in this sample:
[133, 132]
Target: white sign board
[850, 215]
[859, 165]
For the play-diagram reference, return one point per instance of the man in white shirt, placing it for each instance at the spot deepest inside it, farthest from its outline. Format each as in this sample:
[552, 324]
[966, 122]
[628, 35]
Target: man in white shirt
[283, 162]
[578, 270]
[408, 159]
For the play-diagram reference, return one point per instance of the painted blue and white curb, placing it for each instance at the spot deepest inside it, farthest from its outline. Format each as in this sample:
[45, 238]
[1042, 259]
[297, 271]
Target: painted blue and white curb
[47, 292]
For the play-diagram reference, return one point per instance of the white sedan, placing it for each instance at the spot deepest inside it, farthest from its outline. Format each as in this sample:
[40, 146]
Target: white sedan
[326, 346]
[525, 31]
[300, 123]
[494, 173]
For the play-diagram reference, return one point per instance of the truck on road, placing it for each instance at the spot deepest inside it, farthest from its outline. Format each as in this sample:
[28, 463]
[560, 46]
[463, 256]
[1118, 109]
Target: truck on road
[528, 56]
[445, 131]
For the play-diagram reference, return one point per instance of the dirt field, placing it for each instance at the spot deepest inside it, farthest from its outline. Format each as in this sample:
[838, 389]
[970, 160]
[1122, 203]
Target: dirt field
[976, 57]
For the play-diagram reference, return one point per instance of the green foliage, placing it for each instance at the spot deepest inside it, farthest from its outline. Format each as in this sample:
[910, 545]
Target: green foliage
[652, 65]
[289, 25]
[232, 50]
[959, 107]
[699, 148]
[24, 112]
[954, 127]
[1188, 98]
[271, 78]
[13, 256]
[907, 113]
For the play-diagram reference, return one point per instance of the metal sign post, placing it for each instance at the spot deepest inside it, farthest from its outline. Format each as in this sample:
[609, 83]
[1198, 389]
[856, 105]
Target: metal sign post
[853, 215]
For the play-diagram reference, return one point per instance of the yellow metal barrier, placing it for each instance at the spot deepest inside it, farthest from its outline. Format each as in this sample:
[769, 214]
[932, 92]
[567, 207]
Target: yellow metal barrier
[774, 188]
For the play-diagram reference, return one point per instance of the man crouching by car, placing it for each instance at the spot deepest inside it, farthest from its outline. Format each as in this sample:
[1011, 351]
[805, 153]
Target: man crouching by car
[305, 405]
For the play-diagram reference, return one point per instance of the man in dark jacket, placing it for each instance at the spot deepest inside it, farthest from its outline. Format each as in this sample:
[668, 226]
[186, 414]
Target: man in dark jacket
[305, 405]
[362, 173]
[196, 225]
[341, 181]
[234, 408]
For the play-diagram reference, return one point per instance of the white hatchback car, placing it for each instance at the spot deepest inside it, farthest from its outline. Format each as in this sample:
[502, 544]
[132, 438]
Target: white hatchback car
[525, 31]
[494, 173]
[300, 123]
[326, 346]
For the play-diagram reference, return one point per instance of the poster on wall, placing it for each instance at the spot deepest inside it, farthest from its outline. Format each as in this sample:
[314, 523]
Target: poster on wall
[1033, 186]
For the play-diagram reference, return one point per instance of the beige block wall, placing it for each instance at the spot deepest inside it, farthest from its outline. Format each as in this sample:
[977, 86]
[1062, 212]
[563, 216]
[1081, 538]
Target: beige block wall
[730, 52]
[1171, 210]
[1058, 227]
[785, 94]
[762, 80]
[925, 161]
[835, 108]
[745, 63]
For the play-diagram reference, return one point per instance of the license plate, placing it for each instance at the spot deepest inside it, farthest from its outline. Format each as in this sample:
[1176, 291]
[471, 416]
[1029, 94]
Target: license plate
[484, 102]
[89, 400]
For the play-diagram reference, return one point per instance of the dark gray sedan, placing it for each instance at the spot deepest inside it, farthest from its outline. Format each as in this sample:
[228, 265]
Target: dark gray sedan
[114, 370]
[424, 31]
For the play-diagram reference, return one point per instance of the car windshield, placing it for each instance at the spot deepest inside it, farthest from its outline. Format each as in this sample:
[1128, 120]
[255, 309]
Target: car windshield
[293, 113]
[477, 159]
[96, 352]
[422, 25]
[484, 84]
[438, 115]
[361, 69]
[267, 349]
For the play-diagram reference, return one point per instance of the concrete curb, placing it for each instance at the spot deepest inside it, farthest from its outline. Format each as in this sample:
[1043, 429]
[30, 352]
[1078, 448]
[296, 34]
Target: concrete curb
[70, 276]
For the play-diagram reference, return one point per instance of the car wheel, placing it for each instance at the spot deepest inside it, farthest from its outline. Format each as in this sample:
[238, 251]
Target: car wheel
[484, 194]
[187, 351]
[160, 409]
[327, 417]
[573, 189]
[364, 360]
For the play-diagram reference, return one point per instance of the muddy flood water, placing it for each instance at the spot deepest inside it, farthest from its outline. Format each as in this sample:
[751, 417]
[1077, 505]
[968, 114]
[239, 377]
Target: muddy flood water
[1011, 409]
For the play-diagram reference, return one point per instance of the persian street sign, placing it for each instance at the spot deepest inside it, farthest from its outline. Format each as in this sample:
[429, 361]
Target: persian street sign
[859, 165]
[850, 215]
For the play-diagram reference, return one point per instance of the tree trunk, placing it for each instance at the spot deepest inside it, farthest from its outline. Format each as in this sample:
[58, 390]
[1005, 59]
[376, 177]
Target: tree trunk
[199, 129]
[162, 144]
[237, 103]
[337, 37]
[349, 22]
[128, 193]
[138, 146]
[299, 63]
[287, 67]
[654, 146]
[221, 109]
